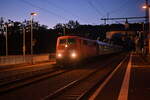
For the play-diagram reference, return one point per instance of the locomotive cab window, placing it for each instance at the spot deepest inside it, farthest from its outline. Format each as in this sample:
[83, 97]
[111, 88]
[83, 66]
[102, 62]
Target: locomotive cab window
[62, 41]
[67, 41]
[71, 41]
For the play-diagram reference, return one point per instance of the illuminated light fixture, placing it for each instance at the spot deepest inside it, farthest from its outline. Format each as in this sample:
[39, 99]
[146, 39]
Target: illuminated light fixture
[144, 7]
[59, 55]
[33, 14]
[66, 45]
[73, 55]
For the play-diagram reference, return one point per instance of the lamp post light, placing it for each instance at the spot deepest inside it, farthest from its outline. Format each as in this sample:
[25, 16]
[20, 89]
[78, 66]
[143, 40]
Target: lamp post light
[31, 20]
[144, 7]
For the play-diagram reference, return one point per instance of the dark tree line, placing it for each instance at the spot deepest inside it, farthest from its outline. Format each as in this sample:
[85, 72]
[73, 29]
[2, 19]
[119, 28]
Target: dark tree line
[44, 39]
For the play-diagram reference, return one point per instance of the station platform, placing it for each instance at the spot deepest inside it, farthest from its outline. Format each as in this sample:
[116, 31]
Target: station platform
[12, 66]
[139, 87]
[131, 81]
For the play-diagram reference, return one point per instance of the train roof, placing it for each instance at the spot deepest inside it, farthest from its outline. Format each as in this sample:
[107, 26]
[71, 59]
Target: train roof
[103, 43]
[83, 38]
[107, 44]
[68, 36]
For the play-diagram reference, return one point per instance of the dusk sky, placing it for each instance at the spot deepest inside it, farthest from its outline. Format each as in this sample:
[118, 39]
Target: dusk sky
[51, 12]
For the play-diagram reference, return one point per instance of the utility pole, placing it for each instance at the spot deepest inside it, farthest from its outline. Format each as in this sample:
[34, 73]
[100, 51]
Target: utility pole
[6, 36]
[31, 35]
[24, 45]
[31, 22]
[147, 31]
[146, 27]
[147, 12]
[105, 19]
[64, 29]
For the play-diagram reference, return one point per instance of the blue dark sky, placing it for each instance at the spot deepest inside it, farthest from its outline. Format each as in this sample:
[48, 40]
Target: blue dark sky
[51, 12]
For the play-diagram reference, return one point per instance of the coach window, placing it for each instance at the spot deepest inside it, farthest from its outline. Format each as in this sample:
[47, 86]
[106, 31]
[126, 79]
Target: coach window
[84, 42]
[100, 46]
[103, 47]
[89, 43]
[95, 44]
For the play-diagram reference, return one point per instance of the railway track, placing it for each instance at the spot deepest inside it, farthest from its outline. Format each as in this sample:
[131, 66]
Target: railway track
[78, 89]
[23, 79]
[52, 81]
[19, 80]
[7, 72]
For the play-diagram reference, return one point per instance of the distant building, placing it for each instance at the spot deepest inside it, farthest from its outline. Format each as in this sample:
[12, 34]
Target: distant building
[111, 33]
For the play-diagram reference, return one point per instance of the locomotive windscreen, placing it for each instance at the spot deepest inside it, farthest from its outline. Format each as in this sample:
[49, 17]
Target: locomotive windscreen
[67, 41]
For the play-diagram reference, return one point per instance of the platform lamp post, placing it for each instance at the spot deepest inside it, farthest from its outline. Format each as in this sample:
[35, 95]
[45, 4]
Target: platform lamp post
[148, 35]
[5, 28]
[24, 43]
[31, 21]
[6, 36]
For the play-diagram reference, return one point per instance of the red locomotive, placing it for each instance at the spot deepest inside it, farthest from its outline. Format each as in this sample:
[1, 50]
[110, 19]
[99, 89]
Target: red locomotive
[72, 49]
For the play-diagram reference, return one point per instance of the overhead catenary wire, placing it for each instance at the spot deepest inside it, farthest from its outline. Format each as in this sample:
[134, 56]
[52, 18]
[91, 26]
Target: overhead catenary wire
[61, 8]
[66, 11]
[122, 6]
[43, 9]
[53, 13]
[92, 4]
[94, 7]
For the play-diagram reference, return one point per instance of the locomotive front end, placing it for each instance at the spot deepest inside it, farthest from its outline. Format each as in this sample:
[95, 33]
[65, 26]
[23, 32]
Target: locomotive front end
[67, 50]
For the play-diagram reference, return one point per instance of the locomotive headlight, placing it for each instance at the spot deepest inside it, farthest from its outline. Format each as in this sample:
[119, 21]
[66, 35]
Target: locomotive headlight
[73, 55]
[59, 55]
[66, 46]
